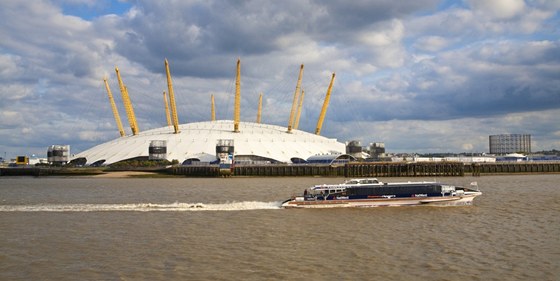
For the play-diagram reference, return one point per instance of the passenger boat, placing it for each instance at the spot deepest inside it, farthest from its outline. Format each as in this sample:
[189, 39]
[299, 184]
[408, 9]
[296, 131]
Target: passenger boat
[370, 192]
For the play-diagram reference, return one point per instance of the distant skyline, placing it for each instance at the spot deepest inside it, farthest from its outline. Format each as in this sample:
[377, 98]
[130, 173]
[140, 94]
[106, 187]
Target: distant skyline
[423, 76]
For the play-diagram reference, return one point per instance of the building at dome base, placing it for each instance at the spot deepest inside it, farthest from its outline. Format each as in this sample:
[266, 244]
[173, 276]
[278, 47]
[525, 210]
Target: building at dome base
[254, 143]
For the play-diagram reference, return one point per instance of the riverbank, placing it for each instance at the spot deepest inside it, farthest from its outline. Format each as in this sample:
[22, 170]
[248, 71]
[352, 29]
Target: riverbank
[127, 174]
[348, 170]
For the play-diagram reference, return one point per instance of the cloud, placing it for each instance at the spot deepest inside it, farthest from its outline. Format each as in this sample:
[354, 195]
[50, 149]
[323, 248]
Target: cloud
[500, 9]
[467, 134]
[431, 43]
[420, 70]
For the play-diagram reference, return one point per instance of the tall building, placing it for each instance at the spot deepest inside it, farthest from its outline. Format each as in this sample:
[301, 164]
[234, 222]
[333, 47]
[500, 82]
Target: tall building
[510, 143]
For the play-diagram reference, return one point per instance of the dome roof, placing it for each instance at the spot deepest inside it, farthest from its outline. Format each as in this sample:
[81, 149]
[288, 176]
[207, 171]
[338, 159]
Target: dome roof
[198, 141]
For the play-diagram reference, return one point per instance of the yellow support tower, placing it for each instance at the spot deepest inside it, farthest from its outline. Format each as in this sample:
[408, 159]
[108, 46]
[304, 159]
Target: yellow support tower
[213, 111]
[114, 107]
[296, 125]
[259, 111]
[132, 110]
[237, 103]
[296, 93]
[325, 106]
[167, 115]
[172, 98]
[127, 104]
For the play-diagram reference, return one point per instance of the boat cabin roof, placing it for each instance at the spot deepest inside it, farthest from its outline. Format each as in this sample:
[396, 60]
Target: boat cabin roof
[351, 182]
[362, 181]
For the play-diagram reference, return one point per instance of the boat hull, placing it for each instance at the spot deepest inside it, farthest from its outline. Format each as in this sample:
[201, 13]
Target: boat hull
[463, 200]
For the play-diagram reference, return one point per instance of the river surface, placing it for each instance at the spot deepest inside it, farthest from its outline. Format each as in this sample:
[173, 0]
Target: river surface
[233, 229]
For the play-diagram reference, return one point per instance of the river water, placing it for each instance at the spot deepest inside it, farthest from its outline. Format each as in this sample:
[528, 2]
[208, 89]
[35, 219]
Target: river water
[233, 229]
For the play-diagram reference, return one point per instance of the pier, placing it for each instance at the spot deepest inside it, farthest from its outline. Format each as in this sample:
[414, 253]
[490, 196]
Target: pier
[477, 169]
[373, 169]
[349, 170]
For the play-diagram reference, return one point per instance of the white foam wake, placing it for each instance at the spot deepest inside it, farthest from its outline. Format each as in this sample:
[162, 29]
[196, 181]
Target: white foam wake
[143, 207]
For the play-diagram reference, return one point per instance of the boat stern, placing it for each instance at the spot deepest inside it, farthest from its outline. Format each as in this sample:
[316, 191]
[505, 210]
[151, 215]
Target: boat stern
[293, 202]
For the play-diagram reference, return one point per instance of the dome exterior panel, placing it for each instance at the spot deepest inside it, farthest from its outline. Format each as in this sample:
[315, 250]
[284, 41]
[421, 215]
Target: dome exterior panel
[196, 139]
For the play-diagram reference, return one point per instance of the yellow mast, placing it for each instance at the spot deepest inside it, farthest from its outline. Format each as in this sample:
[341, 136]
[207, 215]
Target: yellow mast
[325, 106]
[237, 103]
[298, 85]
[213, 110]
[127, 104]
[132, 110]
[167, 115]
[114, 107]
[172, 99]
[296, 124]
[259, 112]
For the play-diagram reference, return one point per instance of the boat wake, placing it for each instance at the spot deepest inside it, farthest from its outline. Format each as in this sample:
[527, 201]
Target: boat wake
[144, 207]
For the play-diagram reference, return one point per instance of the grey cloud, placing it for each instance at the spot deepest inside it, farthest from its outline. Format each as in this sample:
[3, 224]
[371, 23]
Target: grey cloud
[385, 91]
[188, 32]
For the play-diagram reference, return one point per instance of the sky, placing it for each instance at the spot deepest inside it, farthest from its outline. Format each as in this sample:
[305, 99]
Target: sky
[421, 76]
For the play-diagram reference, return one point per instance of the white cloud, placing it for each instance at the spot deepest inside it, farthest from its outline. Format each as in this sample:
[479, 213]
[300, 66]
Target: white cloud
[14, 92]
[431, 43]
[386, 35]
[501, 9]
[382, 44]
[404, 71]
[10, 118]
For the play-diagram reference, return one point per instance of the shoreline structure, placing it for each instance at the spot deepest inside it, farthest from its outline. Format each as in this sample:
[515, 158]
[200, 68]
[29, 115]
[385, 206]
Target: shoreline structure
[349, 170]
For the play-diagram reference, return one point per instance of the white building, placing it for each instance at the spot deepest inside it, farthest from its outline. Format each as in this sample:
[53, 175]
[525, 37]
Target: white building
[197, 141]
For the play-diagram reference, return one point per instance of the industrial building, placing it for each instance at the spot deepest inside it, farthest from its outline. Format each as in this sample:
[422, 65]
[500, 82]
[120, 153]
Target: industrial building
[200, 142]
[58, 154]
[510, 143]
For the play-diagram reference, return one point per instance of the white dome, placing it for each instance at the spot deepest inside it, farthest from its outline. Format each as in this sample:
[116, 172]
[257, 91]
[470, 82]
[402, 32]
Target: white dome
[198, 141]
